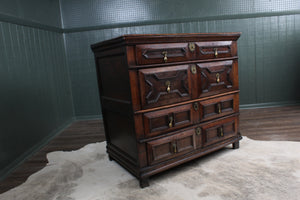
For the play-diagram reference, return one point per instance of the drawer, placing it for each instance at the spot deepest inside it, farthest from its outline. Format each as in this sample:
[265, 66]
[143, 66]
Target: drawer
[158, 122]
[215, 49]
[178, 52]
[218, 77]
[217, 131]
[163, 53]
[172, 146]
[219, 107]
[165, 85]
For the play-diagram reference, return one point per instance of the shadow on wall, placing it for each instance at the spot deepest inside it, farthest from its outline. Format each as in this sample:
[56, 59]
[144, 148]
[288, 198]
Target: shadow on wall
[23, 122]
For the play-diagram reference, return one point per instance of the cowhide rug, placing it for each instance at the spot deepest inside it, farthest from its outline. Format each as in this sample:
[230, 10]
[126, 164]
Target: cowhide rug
[258, 170]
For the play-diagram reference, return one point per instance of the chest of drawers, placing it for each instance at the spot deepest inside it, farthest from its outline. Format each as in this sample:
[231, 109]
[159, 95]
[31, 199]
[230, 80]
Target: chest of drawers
[167, 99]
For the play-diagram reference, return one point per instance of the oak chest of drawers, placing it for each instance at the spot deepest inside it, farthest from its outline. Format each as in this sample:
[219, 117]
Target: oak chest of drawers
[167, 99]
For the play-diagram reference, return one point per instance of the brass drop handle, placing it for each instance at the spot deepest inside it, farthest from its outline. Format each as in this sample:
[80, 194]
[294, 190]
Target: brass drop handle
[165, 54]
[174, 148]
[168, 84]
[216, 52]
[218, 77]
[170, 122]
[221, 133]
[219, 108]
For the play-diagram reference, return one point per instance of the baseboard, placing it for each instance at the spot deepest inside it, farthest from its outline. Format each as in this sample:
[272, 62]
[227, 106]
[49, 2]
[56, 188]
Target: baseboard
[270, 104]
[17, 162]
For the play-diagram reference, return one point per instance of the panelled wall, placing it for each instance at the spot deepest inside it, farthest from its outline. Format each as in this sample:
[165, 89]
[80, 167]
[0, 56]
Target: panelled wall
[41, 13]
[268, 48]
[36, 100]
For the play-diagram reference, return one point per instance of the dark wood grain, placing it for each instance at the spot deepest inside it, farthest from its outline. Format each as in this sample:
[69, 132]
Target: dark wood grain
[276, 123]
[158, 122]
[126, 87]
[171, 146]
[167, 38]
[157, 53]
[220, 130]
[227, 71]
[218, 107]
[153, 85]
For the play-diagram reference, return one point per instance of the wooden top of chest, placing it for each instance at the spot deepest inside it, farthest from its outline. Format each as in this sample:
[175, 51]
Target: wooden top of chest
[134, 39]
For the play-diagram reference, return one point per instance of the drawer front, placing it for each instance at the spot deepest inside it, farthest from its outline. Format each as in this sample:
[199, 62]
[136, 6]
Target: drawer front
[165, 85]
[163, 53]
[215, 49]
[218, 77]
[178, 52]
[171, 146]
[219, 107]
[217, 131]
[158, 122]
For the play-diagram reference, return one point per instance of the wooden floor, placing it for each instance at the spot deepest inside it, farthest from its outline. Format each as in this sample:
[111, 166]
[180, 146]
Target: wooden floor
[279, 123]
[276, 123]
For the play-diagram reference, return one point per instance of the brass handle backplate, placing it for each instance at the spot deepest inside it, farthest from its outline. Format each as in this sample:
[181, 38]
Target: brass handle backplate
[218, 77]
[221, 132]
[174, 148]
[170, 122]
[165, 54]
[216, 52]
[168, 84]
[198, 131]
[219, 108]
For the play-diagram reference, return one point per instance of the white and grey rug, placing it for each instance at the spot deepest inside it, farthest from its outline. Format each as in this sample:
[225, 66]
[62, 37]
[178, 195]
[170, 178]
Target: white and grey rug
[258, 170]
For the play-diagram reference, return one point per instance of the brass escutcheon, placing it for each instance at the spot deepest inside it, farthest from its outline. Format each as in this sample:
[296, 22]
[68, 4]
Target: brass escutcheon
[198, 131]
[192, 46]
[195, 106]
[193, 69]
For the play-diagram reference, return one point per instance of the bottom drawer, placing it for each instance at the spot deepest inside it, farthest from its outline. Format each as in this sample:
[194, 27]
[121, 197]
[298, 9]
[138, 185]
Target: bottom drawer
[191, 139]
[171, 146]
[219, 130]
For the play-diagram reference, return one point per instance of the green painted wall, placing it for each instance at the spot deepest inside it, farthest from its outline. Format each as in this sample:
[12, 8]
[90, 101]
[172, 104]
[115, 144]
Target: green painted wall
[36, 100]
[93, 13]
[268, 47]
[43, 12]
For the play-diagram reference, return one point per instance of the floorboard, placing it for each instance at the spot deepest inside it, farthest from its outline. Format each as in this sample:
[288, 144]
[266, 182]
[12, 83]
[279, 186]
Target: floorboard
[277, 123]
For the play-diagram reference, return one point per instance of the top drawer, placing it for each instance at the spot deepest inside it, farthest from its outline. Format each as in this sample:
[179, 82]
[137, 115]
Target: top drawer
[211, 50]
[162, 53]
[179, 52]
